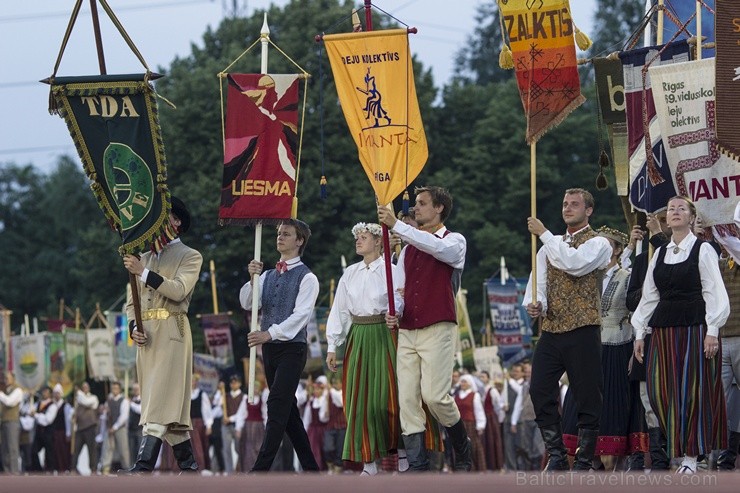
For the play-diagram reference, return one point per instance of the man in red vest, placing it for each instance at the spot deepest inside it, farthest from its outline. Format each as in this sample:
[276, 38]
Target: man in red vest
[432, 263]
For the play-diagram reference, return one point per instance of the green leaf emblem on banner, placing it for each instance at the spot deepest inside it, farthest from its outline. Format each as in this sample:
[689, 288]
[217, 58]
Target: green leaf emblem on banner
[130, 179]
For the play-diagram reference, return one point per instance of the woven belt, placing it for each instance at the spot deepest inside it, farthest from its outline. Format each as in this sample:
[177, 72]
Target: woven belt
[368, 319]
[158, 314]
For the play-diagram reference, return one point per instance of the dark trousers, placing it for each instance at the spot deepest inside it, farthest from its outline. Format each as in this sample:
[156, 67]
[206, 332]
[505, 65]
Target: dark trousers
[284, 364]
[577, 352]
[510, 440]
[134, 442]
[87, 437]
[334, 445]
[217, 443]
[43, 440]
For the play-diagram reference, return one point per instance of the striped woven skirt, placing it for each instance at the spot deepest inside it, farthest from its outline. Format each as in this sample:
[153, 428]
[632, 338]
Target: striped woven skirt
[371, 396]
[685, 391]
[370, 393]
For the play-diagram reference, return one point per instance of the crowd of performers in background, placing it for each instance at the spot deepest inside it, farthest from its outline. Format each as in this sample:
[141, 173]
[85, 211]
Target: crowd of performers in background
[633, 428]
[228, 430]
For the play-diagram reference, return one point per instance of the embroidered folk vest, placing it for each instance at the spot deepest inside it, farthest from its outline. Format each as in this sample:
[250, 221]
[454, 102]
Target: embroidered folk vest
[572, 301]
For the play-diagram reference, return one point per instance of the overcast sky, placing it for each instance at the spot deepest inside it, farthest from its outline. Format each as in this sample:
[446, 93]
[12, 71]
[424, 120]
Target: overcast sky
[31, 32]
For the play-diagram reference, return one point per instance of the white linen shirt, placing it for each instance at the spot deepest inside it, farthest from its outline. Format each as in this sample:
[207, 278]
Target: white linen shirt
[362, 291]
[449, 249]
[592, 255]
[302, 311]
[712, 286]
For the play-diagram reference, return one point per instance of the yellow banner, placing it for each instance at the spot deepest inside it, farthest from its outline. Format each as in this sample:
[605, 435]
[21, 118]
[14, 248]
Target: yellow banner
[375, 83]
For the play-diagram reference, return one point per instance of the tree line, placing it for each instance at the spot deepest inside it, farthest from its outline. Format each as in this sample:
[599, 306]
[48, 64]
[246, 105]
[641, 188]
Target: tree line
[58, 245]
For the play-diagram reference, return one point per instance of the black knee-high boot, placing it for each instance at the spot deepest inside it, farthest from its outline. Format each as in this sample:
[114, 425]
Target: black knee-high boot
[658, 456]
[586, 448]
[728, 457]
[183, 452]
[461, 445]
[416, 452]
[558, 455]
[146, 459]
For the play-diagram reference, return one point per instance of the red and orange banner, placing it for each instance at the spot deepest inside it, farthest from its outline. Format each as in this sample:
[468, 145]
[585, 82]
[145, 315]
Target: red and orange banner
[375, 83]
[260, 148]
[541, 35]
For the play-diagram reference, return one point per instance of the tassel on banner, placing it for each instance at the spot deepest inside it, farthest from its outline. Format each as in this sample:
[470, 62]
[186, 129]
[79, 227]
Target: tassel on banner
[53, 108]
[505, 58]
[324, 191]
[604, 161]
[294, 208]
[405, 203]
[601, 183]
[582, 39]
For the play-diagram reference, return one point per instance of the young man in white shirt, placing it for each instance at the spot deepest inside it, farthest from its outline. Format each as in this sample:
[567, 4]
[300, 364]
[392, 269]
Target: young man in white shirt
[287, 296]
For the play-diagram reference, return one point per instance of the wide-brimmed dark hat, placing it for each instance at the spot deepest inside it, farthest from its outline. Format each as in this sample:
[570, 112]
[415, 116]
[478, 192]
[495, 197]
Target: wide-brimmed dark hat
[179, 209]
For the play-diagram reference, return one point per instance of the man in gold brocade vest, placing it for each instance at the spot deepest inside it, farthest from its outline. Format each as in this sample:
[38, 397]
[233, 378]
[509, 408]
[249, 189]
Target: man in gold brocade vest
[569, 270]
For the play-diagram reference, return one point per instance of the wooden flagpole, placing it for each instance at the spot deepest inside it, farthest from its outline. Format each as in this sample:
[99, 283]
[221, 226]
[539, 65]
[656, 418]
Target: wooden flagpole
[698, 31]
[103, 71]
[386, 235]
[533, 207]
[212, 267]
[265, 40]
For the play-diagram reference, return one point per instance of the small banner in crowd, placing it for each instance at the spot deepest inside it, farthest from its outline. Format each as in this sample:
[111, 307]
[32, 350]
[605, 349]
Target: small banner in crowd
[610, 90]
[58, 362]
[685, 103]
[207, 367]
[651, 182]
[114, 123]
[487, 359]
[29, 360]
[74, 346]
[58, 325]
[728, 76]
[125, 348]
[465, 332]
[261, 132]
[374, 77]
[509, 321]
[542, 42]
[100, 354]
[217, 331]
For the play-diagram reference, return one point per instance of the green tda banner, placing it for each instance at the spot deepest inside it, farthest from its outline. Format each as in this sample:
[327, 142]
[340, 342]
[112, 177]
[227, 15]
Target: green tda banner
[114, 123]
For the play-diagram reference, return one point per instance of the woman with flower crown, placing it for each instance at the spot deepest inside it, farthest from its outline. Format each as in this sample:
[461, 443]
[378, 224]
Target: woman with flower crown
[357, 318]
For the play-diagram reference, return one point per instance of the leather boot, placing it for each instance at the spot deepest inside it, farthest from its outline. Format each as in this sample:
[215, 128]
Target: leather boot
[183, 452]
[585, 451]
[146, 458]
[658, 456]
[416, 452]
[727, 458]
[461, 446]
[636, 462]
[552, 436]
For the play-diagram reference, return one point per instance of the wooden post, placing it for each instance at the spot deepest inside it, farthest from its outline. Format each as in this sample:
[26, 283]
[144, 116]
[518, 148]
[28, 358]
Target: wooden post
[265, 40]
[533, 206]
[213, 286]
[98, 36]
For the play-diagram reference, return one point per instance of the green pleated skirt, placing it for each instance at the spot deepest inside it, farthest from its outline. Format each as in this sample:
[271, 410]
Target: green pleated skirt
[371, 395]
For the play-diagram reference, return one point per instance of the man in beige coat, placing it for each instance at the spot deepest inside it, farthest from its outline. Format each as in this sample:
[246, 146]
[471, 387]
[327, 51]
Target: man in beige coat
[164, 361]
